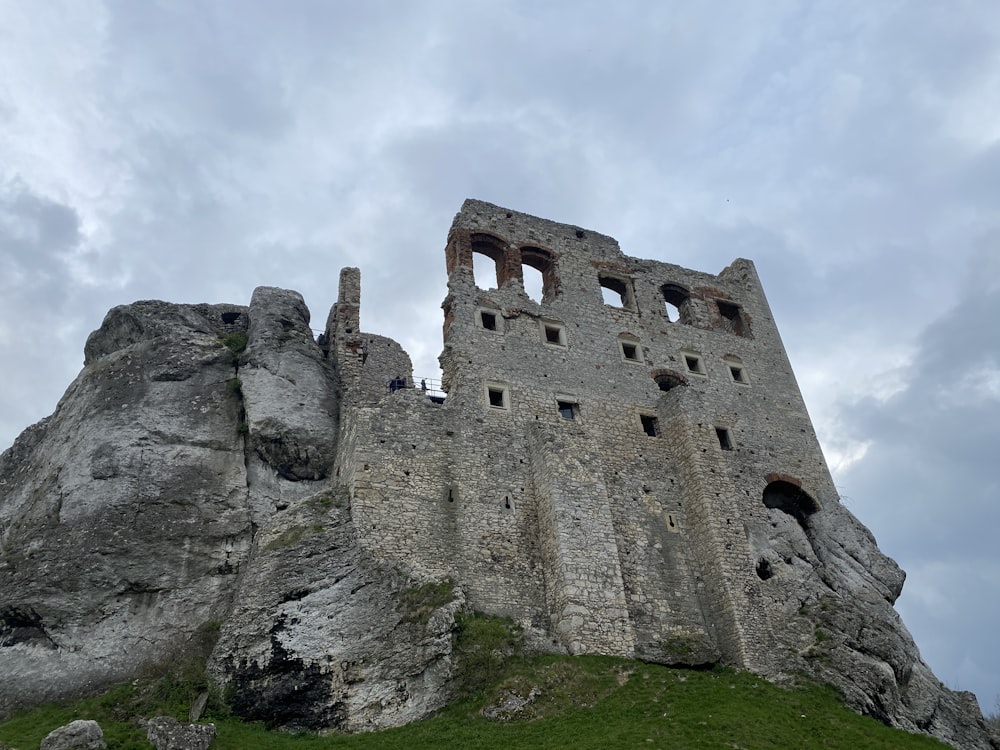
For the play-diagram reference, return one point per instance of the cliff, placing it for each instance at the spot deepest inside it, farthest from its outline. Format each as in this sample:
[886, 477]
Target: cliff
[634, 475]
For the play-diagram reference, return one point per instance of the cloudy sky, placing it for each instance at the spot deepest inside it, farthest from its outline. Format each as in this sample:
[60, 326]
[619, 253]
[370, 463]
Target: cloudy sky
[190, 151]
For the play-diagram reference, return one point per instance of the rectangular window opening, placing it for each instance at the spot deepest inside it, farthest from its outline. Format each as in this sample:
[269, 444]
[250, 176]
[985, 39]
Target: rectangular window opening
[694, 364]
[489, 320]
[617, 292]
[733, 317]
[630, 351]
[738, 375]
[553, 335]
[649, 425]
[725, 440]
[497, 396]
[568, 409]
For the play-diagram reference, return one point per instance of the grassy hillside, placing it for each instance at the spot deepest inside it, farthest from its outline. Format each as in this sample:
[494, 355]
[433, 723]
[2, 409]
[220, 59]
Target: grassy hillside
[579, 703]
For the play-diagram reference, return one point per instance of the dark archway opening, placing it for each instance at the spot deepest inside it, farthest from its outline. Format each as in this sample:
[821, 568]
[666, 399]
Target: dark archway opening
[790, 499]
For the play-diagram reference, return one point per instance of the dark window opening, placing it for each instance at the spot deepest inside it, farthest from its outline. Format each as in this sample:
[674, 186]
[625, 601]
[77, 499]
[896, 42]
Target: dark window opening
[738, 375]
[675, 300]
[788, 498]
[725, 440]
[496, 397]
[554, 335]
[649, 425]
[630, 351]
[694, 364]
[567, 409]
[616, 292]
[764, 570]
[489, 320]
[732, 317]
[230, 317]
[665, 381]
[506, 502]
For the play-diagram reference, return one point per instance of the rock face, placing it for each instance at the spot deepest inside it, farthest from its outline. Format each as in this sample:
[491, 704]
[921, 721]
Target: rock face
[635, 477]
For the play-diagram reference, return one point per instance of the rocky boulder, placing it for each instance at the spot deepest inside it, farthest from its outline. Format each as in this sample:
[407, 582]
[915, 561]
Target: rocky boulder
[82, 734]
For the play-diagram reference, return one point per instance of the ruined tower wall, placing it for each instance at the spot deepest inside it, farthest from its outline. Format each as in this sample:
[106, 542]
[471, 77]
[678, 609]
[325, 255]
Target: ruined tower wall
[597, 468]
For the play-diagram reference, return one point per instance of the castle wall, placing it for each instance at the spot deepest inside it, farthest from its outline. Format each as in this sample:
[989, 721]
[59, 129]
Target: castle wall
[597, 467]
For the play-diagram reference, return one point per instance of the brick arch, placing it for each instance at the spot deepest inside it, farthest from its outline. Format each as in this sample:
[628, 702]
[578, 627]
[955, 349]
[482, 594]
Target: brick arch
[776, 476]
[667, 379]
[785, 493]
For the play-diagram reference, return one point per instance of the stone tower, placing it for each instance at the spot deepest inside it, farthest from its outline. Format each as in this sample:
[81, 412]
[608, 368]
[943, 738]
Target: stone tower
[625, 465]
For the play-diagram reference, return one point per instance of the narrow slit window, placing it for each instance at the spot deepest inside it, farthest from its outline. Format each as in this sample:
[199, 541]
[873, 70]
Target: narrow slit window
[649, 425]
[725, 439]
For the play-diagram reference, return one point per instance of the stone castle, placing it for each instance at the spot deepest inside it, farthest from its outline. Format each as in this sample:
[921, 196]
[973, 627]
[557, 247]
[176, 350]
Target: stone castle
[624, 466]
[609, 471]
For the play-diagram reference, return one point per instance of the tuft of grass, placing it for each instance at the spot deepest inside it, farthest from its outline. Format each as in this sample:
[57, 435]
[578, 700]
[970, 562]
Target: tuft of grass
[419, 602]
[236, 342]
[293, 535]
[483, 645]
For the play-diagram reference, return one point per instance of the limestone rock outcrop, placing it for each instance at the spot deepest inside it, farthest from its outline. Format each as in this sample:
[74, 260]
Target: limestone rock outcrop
[614, 478]
[82, 734]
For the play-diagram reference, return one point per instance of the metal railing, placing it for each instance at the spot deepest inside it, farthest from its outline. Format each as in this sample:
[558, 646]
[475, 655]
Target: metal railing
[431, 387]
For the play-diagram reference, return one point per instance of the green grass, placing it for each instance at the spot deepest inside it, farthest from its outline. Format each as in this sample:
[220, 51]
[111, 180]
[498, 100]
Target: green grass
[583, 703]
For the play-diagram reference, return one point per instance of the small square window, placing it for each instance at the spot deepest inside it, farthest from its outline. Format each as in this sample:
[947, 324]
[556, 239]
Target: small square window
[694, 363]
[737, 372]
[568, 409]
[497, 396]
[488, 320]
[649, 425]
[725, 439]
[629, 349]
[554, 333]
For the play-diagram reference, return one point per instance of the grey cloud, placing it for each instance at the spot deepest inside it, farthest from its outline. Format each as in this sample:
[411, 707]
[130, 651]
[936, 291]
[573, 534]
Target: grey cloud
[928, 488]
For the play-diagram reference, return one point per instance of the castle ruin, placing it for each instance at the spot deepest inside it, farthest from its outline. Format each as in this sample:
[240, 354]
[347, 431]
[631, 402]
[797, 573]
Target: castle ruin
[624, 466]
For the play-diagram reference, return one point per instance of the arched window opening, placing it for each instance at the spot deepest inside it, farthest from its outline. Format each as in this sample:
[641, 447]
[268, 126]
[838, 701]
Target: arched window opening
[617, 291]
[487, 261]
[675, 301]
[533, 284]
[538, 270]
[732, 317]
[788, 498]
